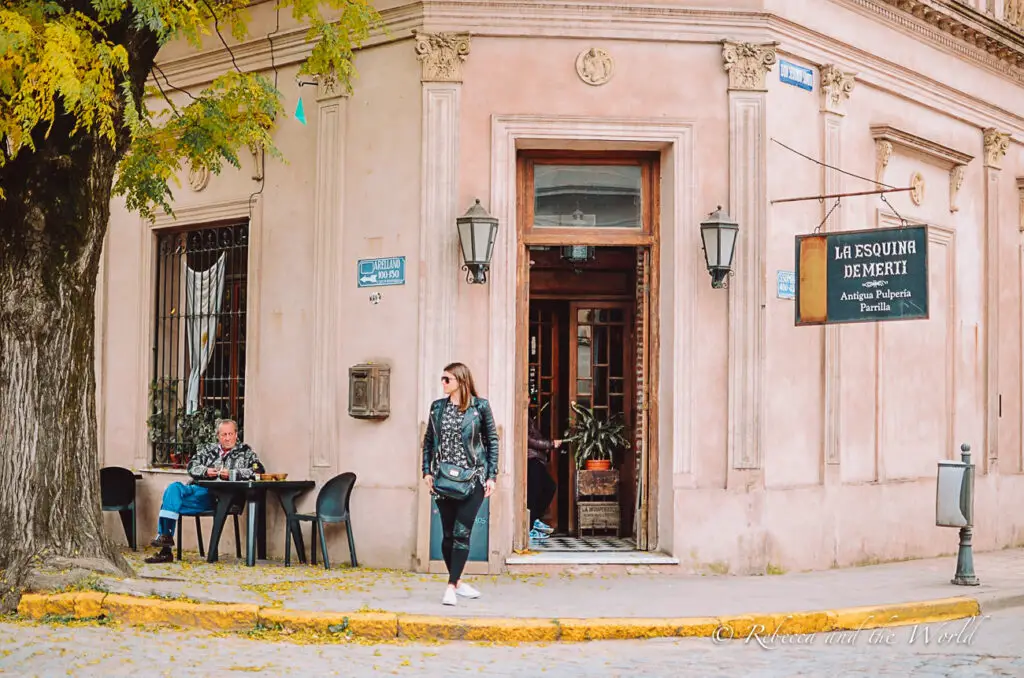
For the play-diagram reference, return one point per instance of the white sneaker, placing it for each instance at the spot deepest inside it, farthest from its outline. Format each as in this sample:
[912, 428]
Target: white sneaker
[449, 596]
[466, 591]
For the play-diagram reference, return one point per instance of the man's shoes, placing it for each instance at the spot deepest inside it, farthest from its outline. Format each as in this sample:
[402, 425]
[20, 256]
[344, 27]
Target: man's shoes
[164, 556]
[540, 526]
[536, 535]
[449, 596]
[466, 591]
[162, 541]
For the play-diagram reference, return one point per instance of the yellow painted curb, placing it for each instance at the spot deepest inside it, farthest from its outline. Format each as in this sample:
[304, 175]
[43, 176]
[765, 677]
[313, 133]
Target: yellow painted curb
[375, 625]
[903, 614]
[207, 616]
[80, 604]
[388, 625]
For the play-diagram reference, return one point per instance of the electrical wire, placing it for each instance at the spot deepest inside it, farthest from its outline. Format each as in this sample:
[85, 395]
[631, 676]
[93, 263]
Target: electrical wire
[837, 169]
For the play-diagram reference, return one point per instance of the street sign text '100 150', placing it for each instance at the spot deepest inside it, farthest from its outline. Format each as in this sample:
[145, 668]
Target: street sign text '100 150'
[862, 276]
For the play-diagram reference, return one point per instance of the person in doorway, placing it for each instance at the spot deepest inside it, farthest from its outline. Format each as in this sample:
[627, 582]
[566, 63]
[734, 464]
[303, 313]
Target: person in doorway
[460, 432]
[540, 486]
[214, 460]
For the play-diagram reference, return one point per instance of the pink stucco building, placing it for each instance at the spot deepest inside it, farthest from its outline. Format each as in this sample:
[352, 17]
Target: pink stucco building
[616, 126]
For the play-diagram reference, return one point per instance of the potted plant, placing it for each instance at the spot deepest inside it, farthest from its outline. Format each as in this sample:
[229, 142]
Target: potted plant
[595, 440]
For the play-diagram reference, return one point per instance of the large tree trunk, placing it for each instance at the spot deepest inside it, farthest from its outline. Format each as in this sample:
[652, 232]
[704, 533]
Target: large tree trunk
[52, 225]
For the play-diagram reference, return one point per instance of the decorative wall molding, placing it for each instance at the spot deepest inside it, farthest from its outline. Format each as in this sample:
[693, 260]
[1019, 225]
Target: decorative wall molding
[748, 64]
[888, 137]
[329, 87]
[441, 55]
[883, 152]
[832, 181]
[941, 155]
[749, 207]
[676, 140]
[617, 21]
[996, 144]
[595, 66]
[956, 181]
[328, 377]
[836, 87]
[1020, 216]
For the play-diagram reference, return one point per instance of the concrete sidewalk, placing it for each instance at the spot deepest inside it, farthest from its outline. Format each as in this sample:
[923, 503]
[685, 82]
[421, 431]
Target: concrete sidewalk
[570, 595]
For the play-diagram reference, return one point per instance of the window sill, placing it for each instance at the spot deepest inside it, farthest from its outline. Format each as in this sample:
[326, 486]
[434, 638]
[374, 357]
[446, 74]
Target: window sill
[168, 471]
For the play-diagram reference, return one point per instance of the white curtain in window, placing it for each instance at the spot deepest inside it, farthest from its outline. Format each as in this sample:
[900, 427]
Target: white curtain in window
[203, 294]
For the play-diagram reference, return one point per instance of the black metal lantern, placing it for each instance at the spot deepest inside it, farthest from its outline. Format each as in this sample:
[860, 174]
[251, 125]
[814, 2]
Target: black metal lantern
[718, 236]
[477, 231]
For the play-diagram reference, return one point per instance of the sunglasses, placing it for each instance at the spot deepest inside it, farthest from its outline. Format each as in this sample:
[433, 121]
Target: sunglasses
[446, 380]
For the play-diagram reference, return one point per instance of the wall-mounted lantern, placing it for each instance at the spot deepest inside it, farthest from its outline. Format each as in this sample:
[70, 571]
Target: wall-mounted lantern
[718, 235]
[477, 231]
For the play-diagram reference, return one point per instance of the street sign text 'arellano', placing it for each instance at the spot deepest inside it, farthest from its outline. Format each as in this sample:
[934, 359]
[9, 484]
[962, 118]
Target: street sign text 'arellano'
[862, 276]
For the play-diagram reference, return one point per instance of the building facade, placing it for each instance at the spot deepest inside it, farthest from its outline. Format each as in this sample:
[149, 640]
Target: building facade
[600, 135]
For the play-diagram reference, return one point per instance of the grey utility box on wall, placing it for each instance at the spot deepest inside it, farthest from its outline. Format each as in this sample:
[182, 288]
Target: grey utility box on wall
[369, 391]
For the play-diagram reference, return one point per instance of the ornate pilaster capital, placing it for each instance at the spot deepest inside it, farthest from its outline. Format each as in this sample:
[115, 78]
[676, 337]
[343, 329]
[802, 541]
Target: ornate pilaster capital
[836, 87]
[748, 63]
[441, 55]
[996, 145]
[329, 87]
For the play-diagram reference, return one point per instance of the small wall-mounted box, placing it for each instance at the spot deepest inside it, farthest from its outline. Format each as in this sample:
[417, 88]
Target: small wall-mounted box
[369, 391]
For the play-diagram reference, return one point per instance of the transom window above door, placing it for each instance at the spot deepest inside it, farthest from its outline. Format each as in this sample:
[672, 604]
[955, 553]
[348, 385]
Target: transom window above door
[587, 196]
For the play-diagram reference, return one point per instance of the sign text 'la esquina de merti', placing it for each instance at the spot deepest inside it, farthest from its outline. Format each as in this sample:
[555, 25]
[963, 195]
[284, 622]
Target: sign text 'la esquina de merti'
[858, 276]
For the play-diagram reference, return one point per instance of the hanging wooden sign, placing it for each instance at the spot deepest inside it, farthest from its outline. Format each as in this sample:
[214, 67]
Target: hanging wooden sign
[862, 276]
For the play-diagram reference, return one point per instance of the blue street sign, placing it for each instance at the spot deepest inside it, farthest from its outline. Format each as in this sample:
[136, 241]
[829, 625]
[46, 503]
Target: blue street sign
[382, 272]
[785, 282]
[791, 74]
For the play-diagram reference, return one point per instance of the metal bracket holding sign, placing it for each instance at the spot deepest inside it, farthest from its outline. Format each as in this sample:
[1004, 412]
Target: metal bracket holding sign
[862, 276]
[381, 272]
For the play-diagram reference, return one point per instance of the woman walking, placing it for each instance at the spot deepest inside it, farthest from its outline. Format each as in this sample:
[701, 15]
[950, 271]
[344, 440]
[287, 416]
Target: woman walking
[460, 464]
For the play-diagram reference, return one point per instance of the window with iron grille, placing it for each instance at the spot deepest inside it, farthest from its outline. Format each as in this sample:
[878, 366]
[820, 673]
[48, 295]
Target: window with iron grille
[199, 339]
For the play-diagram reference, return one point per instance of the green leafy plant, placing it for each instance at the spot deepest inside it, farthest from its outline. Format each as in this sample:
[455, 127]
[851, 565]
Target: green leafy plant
[592, 437]
[171, 428]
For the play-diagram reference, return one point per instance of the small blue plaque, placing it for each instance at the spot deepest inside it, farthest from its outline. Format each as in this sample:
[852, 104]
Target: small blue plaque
[785, 284]
[799, 76]
[382, 272]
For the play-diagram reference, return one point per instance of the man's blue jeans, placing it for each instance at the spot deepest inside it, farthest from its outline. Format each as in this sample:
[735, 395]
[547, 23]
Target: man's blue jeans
[179, 499]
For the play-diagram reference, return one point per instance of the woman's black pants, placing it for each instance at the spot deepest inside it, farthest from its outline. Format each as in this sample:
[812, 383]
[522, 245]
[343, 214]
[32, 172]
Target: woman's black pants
[540, 489]
[457, 518]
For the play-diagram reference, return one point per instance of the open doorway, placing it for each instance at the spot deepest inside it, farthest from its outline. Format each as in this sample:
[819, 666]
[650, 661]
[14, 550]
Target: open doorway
[583, 349]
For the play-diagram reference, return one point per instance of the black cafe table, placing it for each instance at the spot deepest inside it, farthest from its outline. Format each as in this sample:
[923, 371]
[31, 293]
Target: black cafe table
[254, 493]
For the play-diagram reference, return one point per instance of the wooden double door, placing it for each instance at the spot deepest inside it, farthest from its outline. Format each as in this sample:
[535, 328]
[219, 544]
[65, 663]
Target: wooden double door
[583, 351]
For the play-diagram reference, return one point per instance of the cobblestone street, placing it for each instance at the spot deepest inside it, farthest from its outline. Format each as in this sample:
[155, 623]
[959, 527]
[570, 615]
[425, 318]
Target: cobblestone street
[985, 647]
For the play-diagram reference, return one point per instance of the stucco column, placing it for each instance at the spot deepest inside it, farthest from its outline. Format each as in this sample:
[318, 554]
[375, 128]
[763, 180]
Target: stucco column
[329, 377]
[441, 56]
[836, 87]
[996, 143]
[747, 65]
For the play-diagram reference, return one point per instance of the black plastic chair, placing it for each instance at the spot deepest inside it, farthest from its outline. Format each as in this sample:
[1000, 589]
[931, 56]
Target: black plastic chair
[234, 512]
[331, 507]
[117, 493]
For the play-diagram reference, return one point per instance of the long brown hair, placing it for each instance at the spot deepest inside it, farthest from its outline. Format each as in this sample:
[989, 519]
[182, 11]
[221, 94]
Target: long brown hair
[466, 386]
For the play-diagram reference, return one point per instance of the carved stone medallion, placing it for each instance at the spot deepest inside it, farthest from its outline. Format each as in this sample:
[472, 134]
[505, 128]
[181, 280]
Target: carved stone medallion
[917, 186]
[198, 178]
[595, 66]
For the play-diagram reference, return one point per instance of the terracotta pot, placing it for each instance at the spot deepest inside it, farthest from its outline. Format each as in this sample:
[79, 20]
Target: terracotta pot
[598, 464]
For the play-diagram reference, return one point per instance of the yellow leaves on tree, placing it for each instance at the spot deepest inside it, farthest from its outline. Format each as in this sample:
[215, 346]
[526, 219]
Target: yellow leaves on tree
[56, 61]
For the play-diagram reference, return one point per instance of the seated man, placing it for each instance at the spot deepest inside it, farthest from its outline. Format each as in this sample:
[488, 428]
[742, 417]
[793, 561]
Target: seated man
[210, 461]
